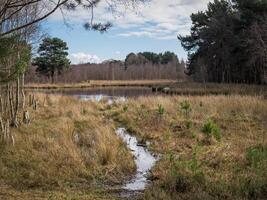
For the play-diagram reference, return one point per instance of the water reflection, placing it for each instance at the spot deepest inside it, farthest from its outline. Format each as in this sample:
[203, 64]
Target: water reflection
[99, 92]
[98, 98]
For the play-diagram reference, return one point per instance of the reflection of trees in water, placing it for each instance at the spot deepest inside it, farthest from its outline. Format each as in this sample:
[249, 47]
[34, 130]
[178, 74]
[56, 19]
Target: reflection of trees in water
[106, 91]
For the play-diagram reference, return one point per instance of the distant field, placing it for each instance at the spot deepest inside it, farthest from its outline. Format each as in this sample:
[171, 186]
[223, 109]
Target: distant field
[101, 83]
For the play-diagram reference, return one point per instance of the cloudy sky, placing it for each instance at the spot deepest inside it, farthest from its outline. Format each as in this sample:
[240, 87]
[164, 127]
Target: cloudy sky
[153, 26]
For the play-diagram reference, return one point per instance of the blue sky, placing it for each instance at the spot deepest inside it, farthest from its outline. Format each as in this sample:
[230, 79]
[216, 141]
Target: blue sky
[151, 27]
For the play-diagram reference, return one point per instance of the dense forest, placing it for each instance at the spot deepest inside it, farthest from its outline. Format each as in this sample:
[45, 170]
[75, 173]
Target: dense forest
[146, 65]
[228, 42]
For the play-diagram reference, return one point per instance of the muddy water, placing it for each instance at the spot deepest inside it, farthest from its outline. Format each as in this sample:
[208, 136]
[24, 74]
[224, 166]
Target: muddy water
[144, 162]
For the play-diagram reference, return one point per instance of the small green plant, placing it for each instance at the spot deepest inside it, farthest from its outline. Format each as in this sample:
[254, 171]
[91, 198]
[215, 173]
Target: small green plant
[257, 156]
[210, 128]
[186, 107]
[84, 111]
[194, 164]
[188, 124]
[125, 108]
[160, 110]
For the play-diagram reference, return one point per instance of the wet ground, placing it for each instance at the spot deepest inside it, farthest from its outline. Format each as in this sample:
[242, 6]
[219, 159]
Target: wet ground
[144, 161]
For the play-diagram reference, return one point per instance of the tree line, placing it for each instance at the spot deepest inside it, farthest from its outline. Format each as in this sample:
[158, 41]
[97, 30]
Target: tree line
[154, 58]
[19, 26]
[228, 42]
[135, 67]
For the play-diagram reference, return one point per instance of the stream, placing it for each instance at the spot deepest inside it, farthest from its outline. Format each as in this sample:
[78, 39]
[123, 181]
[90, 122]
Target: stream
[144, 161]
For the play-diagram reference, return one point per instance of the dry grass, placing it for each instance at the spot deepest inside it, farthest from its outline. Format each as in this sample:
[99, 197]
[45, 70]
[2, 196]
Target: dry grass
[67, 146]
[70, 149]
[100, 83]
[195, 88]
[195, 165]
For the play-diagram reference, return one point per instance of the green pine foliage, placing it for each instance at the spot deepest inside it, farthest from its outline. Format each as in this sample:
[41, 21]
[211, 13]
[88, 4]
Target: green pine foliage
[15, 55]
[52, 57]
[228, 42]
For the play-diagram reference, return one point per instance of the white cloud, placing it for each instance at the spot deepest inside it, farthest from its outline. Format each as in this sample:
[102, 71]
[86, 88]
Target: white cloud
[160, 19]
[117, 52]
[80, 58]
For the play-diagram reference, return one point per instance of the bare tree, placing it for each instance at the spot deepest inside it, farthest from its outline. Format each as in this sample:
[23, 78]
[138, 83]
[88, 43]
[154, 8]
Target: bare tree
[44, 8]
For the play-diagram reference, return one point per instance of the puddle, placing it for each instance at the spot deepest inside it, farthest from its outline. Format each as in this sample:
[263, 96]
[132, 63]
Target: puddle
[144, 162]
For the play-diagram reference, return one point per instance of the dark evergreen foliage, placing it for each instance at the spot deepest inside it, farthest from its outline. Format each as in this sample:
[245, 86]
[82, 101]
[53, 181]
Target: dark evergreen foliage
[52, 57]
[228, 42]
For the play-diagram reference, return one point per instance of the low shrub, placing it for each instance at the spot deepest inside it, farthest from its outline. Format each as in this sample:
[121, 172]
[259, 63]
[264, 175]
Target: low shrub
[160, 110]
[186, 107]
[210, 128]
[257, 156]
[125, 108]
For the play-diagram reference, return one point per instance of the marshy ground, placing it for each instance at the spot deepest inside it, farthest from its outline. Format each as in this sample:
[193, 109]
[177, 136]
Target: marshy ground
[210, 147]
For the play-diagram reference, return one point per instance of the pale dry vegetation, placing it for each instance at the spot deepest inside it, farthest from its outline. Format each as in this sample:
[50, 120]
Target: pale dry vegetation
[211, 147]
[68, 148]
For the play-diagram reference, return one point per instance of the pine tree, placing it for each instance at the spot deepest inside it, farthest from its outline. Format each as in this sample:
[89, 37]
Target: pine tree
[52, 57]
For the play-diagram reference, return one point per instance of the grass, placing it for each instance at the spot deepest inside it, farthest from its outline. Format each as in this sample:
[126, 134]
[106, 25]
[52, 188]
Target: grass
[196, 89]
[212, 147]
[100, 83]
[68, 151]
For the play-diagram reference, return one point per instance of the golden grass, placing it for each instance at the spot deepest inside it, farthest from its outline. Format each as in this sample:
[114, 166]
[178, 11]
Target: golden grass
[100, 83]
[194, 166]
[70, 149]
[67, 146]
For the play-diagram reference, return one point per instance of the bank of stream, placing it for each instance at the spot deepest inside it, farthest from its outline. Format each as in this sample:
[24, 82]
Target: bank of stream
[143, 158]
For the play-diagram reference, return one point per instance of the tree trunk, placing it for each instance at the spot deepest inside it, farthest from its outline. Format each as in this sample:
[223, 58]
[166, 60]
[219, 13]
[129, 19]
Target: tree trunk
[22, 91]
[14, 119]
[10, 100]
[26, 117]
[53, 76]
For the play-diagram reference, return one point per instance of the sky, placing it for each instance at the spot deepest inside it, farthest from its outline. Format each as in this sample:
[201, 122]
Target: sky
[152, 26]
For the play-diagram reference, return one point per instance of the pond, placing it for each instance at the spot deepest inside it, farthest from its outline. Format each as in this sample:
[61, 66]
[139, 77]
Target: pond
[102, 91]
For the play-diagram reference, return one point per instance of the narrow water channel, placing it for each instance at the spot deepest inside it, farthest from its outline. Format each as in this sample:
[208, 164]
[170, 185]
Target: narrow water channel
[144, 159]
[144, 162]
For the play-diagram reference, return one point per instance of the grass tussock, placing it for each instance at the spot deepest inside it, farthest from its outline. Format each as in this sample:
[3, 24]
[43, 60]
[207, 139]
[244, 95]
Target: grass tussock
[68, 144]
[212, 147]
